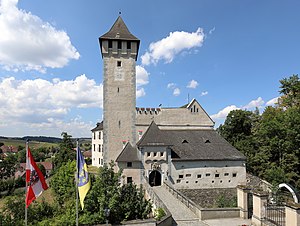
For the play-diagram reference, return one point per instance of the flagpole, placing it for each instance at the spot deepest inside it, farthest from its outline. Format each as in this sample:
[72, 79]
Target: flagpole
[76, 181]
[26, 182]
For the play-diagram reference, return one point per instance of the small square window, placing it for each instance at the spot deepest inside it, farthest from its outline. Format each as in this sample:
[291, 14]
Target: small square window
[129, 164]
[180, 176]
[217, 175]
[161, 154]
[148, 154]
[119, 63]
[196, 182]
[129, 180]
[207, 175]
[188, 175]
[154, 154]
[226, 174]
[234, 174]
[199, 176]
[178, 181]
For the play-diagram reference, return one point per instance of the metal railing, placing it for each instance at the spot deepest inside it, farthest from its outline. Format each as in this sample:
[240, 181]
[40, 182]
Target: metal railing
[275, 215]
[185, 200]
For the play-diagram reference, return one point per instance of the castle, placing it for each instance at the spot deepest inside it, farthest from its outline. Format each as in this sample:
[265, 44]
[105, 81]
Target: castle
[175, 144]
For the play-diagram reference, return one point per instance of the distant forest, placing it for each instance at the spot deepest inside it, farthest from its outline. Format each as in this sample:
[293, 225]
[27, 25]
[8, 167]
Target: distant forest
[41, 139]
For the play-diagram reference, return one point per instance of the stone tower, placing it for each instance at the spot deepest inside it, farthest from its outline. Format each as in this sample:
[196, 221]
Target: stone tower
[119, 49]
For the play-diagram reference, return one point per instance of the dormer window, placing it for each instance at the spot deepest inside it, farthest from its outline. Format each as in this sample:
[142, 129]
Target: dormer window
[185, 141]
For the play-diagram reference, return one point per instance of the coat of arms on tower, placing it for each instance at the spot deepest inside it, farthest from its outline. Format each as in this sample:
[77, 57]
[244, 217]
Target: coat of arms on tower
[156, 166]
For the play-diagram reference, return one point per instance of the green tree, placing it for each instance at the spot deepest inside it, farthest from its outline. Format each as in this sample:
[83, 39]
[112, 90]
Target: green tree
[63, 183]
[66, 151]
[290, 88]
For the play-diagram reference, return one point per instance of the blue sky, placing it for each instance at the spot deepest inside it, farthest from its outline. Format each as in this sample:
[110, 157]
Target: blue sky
[226, 54]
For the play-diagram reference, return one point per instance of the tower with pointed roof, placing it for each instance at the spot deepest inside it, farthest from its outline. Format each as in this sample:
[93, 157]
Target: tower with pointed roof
[119, 49]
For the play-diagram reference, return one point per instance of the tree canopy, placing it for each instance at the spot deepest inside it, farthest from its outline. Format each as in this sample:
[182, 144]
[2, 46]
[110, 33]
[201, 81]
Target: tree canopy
[270, 141]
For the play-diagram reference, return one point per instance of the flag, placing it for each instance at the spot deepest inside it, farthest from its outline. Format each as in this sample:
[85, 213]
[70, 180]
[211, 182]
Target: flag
[83, 179]
[35, 180]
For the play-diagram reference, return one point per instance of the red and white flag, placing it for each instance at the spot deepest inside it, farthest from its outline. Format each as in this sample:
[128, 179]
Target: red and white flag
[35, 180]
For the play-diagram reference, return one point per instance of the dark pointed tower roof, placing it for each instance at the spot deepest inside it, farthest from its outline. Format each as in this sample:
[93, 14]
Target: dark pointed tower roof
[119, 31]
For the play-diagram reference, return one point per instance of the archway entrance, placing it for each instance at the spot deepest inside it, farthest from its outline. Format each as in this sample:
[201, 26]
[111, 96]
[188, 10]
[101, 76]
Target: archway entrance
[155, 178]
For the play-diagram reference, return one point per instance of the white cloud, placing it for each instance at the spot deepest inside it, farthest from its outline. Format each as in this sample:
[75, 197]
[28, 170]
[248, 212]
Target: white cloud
[254, 103]
[140, 92]
[28, 43]
[176, 92]
[41, 102]
[204, 93]
[192, 84]
[142, 76]
[167, 48]
[272, 102]
[171, 86]
[224, 112]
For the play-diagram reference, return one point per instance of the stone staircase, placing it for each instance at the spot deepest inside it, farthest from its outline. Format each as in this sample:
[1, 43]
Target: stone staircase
[182, 216]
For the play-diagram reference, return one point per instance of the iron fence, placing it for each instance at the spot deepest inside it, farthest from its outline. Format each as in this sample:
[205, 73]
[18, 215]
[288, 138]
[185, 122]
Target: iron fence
[275, 215]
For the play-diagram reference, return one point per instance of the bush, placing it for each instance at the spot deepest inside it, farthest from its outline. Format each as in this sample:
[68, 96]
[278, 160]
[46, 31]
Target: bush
[159, 213]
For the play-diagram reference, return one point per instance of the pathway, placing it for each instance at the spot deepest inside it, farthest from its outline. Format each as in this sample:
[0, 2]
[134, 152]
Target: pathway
[180, 213]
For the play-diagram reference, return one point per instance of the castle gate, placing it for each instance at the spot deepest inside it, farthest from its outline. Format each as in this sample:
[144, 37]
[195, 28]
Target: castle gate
[155, 178]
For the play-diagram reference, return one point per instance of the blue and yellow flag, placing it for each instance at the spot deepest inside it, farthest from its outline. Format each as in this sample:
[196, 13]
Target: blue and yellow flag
[84, 183]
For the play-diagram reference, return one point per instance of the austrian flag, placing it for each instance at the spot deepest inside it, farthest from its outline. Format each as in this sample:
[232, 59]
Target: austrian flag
[35, 180]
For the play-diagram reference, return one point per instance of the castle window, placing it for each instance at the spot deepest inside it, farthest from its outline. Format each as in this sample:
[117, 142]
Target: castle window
[94, 147]
[99, 147]
[110, 44]
[118, 89]
[180, 176]
[128, 45]
[207, 175]
[161, 154]
[94, 135]
[226, 174]
[148, 154]
[129, 180]
[119, 44]
[199, 176]
[119, 124]
[178, 181]
[99, 161]
[129, 164]
[99, 135]
[196, 181]
[119, 63]
[234, 174]
[188, 175]
[154, 154]
[217, 175]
